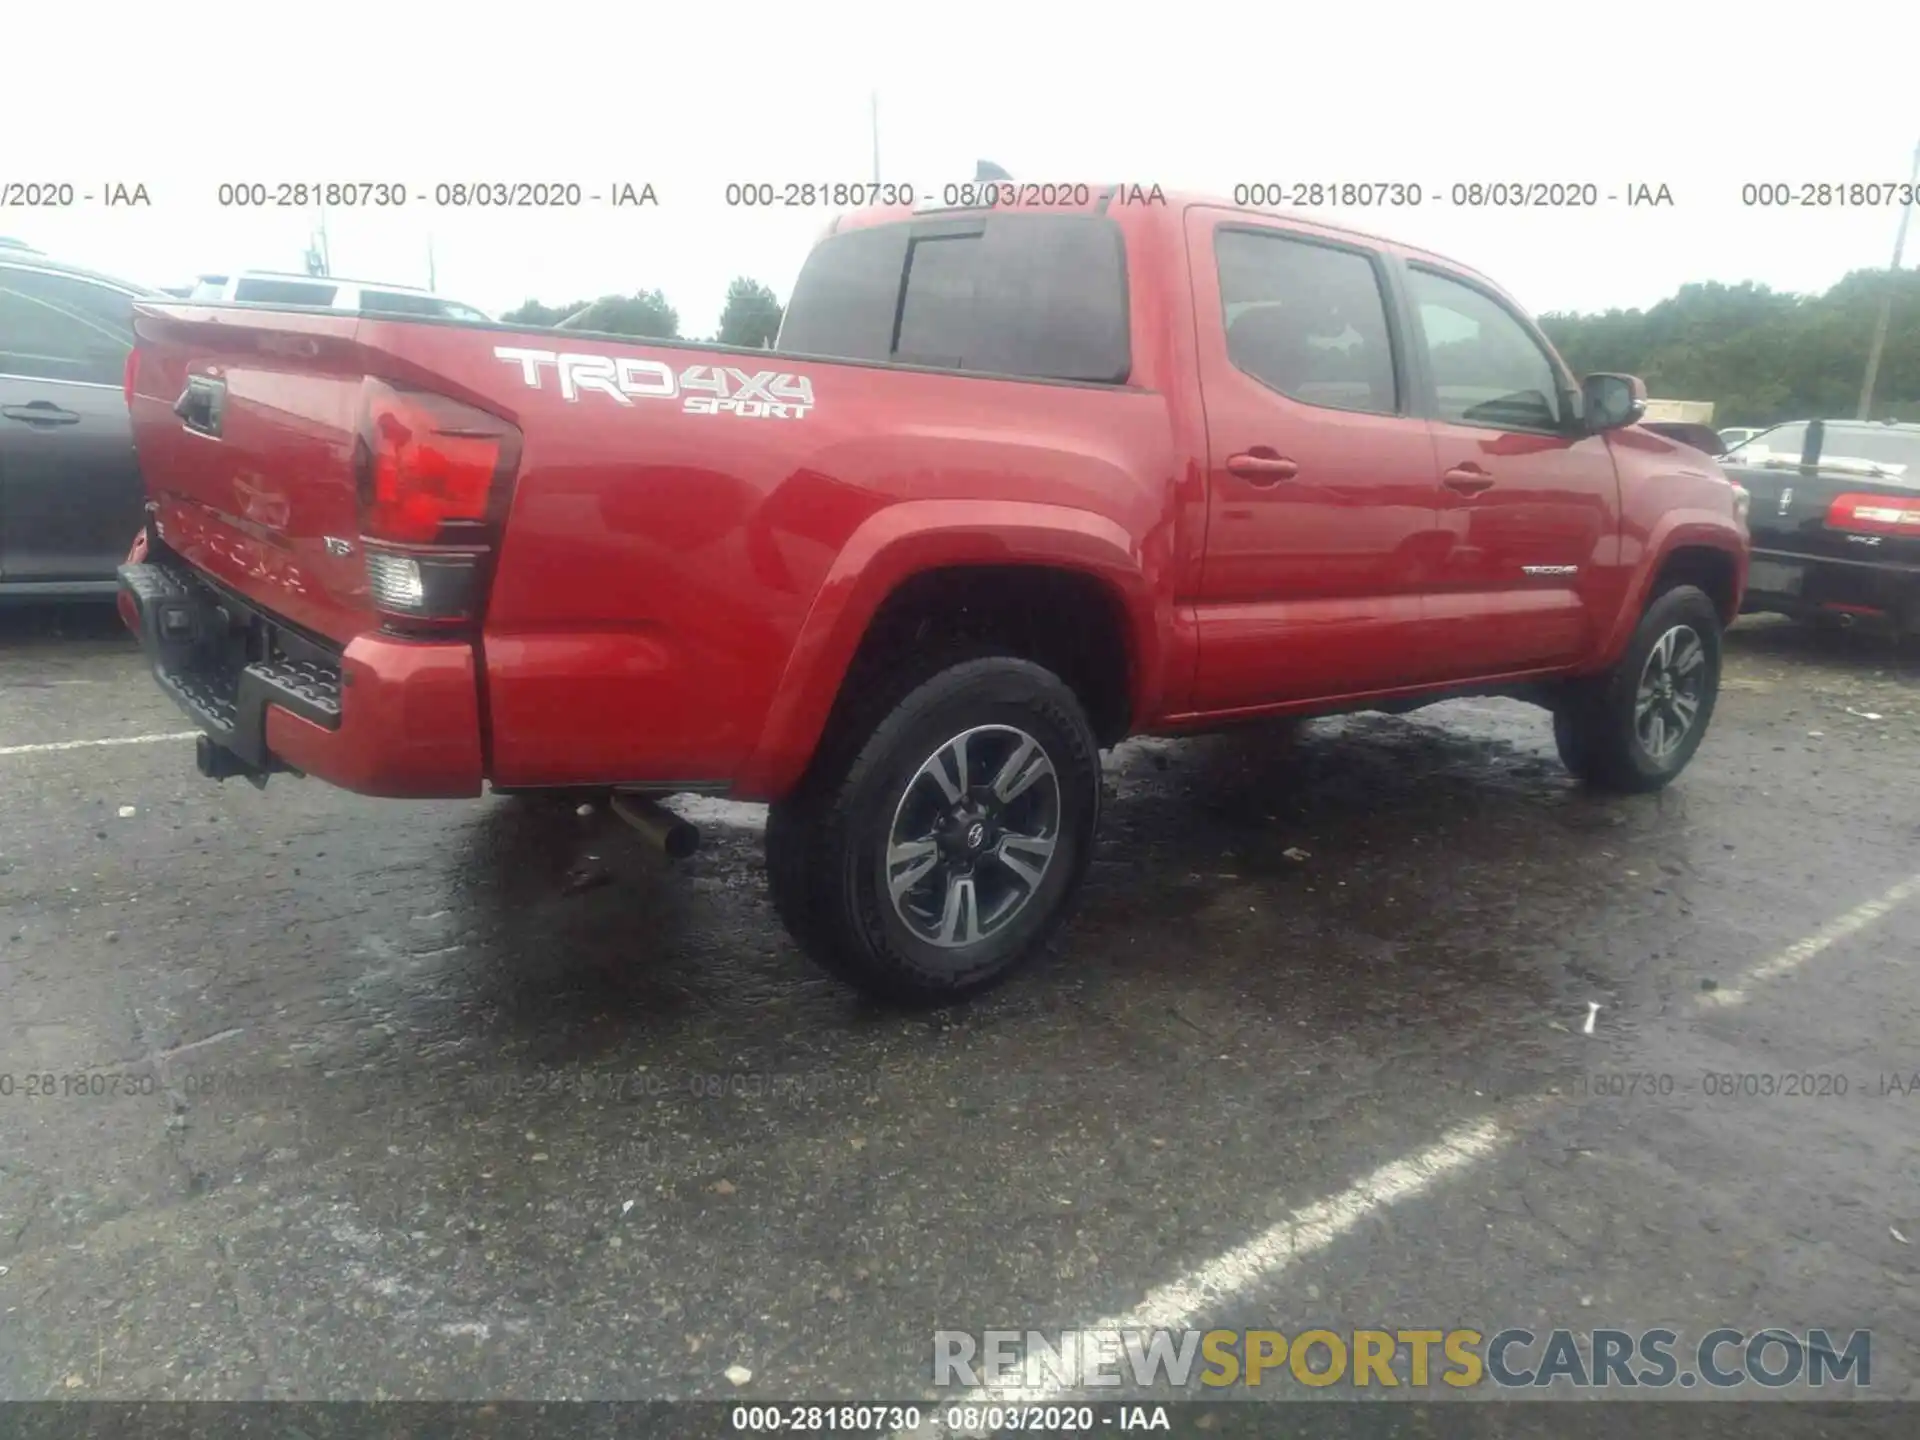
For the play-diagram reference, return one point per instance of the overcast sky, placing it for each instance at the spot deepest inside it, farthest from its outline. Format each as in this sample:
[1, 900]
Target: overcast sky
[1701, 98]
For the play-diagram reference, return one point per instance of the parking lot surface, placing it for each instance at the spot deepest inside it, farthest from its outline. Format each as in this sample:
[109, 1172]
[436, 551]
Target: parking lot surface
[355, 1098]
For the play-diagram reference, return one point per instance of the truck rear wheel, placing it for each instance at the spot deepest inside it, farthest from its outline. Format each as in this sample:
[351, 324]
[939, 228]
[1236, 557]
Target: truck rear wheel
[1634, 728]
[943, 832]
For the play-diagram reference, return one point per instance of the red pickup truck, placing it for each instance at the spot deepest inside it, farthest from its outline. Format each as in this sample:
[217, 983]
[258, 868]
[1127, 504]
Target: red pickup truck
[1017, 482]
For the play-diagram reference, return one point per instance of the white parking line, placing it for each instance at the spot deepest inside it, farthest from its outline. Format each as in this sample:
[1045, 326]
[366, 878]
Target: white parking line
[1180, 1304]
[1794, 956]
[1307, 1230]
[1312, 1228]
[83, 744]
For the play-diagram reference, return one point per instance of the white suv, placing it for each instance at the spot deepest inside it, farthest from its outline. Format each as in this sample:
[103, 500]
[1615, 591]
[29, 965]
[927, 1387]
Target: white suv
[265, 287]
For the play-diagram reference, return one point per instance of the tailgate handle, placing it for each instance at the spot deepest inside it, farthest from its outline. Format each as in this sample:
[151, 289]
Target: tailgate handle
[202, 404]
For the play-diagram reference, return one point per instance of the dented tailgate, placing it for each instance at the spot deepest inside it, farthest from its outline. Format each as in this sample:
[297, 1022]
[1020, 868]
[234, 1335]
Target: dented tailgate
[244, 422]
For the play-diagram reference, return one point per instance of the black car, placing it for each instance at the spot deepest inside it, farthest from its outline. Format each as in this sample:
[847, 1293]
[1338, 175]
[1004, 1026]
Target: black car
[1835, 519]
[70, 489]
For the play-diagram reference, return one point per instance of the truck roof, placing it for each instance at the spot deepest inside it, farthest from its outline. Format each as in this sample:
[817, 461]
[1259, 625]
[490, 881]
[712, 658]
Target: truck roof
[1101, 202]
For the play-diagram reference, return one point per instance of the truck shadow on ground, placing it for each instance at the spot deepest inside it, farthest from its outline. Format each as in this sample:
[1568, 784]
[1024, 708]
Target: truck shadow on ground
[572, 910]
[1374, 877]
[1377, 861]
[1224, 1030]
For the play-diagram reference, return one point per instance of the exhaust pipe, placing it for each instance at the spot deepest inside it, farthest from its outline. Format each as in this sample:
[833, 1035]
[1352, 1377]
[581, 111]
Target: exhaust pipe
[658, 826]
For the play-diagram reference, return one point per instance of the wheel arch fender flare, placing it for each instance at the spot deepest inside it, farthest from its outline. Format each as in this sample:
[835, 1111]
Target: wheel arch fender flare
[913, 537]
[1677, 530]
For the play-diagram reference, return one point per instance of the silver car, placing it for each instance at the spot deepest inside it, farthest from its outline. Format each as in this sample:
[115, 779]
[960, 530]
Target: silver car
[267, 287]
[70, 491]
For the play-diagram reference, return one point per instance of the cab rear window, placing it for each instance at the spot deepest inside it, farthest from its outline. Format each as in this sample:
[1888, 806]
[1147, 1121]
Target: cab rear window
[1034, 296]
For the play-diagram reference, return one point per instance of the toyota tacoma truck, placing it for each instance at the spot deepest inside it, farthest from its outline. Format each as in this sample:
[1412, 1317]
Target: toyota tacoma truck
[1015, 483]
[1835, 521]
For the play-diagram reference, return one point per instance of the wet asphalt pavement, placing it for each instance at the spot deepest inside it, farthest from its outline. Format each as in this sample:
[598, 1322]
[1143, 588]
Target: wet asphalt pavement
[359, 1098]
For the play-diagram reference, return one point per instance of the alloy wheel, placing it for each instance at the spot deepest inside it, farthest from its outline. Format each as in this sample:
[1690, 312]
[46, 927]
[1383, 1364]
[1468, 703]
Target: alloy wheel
[973, 836]
[1673, 685]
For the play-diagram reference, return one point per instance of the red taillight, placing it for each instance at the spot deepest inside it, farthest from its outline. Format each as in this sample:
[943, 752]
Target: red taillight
[131, 376]
[428, 463]
[433, 476]
[1875, 514]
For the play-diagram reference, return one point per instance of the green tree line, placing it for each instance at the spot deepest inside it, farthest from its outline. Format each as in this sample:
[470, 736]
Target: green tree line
[751, 317]
[1760, 355]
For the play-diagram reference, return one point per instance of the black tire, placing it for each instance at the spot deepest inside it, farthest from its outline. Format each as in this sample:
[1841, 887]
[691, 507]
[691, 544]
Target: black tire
[1597, 725]
[827, 843]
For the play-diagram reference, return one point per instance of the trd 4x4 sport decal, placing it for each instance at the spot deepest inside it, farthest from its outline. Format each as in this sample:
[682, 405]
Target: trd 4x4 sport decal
[701, 389]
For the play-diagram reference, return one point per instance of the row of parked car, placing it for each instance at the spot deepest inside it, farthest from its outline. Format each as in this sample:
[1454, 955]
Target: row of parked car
[70, 490]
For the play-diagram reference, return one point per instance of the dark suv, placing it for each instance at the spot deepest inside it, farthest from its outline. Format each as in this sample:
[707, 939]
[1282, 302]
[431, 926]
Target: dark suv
[70, 490]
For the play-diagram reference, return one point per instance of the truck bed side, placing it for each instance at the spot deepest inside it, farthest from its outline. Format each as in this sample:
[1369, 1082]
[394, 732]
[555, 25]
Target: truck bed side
[676, 512]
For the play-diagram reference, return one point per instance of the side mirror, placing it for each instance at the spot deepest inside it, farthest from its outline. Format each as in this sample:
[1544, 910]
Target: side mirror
[1610, 401]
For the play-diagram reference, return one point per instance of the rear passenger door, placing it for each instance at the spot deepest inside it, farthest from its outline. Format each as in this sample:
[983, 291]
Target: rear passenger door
[1322, 496]
[1529, 504]
[70, 491]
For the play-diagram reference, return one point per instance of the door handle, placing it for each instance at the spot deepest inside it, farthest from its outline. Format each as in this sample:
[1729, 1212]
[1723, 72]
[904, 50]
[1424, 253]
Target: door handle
[40, 412]
[1262, 469]
[1468, 479]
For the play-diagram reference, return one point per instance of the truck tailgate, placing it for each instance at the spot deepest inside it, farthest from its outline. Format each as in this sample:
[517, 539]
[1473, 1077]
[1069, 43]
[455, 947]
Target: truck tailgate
[244, 422]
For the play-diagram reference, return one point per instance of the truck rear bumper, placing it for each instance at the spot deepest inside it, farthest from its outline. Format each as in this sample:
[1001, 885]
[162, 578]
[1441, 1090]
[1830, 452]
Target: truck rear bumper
[1793, 584]
[382, 717]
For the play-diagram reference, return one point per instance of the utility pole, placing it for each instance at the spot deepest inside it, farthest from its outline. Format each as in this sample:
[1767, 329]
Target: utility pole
[873, 102]
[326, 255]
[430, 276]
[1886, 299]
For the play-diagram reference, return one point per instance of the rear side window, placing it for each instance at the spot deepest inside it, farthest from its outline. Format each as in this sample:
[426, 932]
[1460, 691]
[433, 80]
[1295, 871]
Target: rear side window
[53, 327]
[284, 292]
[1039, 296]
[1307, 319]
